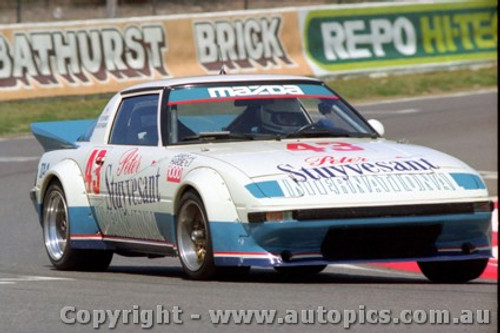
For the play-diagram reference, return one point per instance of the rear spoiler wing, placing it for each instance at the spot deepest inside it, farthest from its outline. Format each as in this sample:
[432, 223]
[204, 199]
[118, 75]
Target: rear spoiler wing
[62, 134]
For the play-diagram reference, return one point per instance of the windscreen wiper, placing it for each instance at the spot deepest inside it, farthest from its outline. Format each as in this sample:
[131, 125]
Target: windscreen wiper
[315, 131]
[220, 135]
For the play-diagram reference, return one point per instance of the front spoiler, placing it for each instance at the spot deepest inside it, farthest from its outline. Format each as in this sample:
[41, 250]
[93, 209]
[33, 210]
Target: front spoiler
[293, 243]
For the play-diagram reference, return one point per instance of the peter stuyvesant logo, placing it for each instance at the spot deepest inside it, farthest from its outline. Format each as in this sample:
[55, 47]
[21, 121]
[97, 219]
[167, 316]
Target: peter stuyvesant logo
[242, 44]
[81, 55]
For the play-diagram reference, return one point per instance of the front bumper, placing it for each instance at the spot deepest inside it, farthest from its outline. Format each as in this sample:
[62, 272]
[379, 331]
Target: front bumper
[354, 240]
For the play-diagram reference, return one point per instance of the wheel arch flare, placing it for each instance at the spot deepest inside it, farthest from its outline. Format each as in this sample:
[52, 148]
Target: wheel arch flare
[68, 173]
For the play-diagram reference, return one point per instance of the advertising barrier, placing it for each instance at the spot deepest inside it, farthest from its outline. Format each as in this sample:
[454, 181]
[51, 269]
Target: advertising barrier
[98, 56]
[381, 36]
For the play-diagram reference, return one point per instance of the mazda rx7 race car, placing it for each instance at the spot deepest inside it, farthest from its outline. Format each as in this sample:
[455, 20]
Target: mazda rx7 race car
[232, 171]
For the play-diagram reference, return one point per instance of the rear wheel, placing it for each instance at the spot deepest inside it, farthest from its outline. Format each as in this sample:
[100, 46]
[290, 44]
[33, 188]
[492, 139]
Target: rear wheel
[459, 271]
[193, 238]
[56, 234]
[300, 270]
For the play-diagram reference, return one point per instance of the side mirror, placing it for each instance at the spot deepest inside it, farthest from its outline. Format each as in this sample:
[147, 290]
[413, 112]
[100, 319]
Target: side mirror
[377, 126]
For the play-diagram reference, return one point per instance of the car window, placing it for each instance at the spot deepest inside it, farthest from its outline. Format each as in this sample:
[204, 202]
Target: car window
[136, 122]
[239, 112]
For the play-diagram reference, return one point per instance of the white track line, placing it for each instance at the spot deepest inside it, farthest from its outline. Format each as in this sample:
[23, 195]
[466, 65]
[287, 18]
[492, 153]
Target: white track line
[31, 278]
[411, 99]
[489, 174]
[384, 112]
[18, 159]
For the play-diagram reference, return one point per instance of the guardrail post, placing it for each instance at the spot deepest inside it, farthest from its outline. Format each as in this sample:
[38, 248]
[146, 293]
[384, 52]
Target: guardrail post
[18, 11]
[111, 8]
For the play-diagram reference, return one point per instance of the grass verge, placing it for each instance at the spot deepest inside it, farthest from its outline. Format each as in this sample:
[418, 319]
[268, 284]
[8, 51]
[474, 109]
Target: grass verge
[15, 116]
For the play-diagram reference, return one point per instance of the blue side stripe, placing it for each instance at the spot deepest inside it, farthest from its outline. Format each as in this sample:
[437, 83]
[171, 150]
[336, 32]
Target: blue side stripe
[82, 221]
[468, 181]
[269, 189]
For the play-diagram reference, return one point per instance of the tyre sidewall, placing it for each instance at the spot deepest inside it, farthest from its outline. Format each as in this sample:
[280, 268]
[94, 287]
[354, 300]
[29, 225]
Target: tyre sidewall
[207, 269]
[64, 262]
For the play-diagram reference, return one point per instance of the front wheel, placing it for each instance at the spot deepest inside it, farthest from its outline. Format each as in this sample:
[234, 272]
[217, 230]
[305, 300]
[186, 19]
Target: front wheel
[194, 243]
[459, 271]
[56, 234]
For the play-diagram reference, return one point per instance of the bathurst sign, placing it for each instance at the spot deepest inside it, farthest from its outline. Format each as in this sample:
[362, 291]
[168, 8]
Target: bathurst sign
[51, 58]
[98, 56]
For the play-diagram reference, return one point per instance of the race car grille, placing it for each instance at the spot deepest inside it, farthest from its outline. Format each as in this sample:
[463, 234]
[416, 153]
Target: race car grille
[386, 242]
[393, 211]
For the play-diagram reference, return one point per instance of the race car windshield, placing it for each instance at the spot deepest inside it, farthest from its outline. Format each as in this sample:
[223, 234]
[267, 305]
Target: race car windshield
[260, 112]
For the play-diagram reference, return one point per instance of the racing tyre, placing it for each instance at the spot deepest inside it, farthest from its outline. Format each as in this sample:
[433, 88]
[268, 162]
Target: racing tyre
[56, 236]
[300, 270]
[460, 271]
[194, 243]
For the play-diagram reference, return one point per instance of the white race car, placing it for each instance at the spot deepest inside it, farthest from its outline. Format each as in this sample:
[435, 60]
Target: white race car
[233, 171]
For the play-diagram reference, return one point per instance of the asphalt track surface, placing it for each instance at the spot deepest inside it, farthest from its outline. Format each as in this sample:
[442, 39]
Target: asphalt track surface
[32, 294]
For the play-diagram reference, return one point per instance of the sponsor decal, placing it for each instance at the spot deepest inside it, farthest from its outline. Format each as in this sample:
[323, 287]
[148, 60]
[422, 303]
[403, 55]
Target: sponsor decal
[102, 122]
[174, 174]
[183, 160]
[129, 163]
[287, 89]
[242, 44]
[197, 95]
[320, 147]
[345, 171]
[129, 222]
[368, 184]
[93, 168]
[344, 38]
[177, 165]
[131, 192]
[331, 160]
[82, 55]
[44, 167]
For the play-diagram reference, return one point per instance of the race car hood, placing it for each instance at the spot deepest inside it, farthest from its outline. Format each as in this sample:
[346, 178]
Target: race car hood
[378, 170]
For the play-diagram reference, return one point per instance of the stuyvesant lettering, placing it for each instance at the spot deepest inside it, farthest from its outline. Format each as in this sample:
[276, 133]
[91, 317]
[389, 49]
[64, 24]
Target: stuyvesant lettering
[131, 192]
[81, 55]
[345, 171]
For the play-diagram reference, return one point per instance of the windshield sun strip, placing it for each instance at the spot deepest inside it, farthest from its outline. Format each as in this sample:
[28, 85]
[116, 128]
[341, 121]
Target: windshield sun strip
[232, 98]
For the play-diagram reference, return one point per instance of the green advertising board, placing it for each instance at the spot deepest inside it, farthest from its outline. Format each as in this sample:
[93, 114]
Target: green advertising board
[398, 34]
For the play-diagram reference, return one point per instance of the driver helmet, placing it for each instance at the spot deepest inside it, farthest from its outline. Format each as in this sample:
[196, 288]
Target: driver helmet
[283, 116]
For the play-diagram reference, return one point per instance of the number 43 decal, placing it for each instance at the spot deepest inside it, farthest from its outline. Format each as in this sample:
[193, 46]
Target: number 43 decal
[93, 170]
[323, 146]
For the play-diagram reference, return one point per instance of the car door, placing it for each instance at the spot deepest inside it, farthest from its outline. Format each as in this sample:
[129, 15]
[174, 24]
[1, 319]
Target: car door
[125, 194]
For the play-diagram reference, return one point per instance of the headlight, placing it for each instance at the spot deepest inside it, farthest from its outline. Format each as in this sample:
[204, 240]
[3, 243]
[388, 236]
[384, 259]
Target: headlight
[279, 216]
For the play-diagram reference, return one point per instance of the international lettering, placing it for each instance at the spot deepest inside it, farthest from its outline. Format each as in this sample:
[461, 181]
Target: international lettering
[368, 185]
